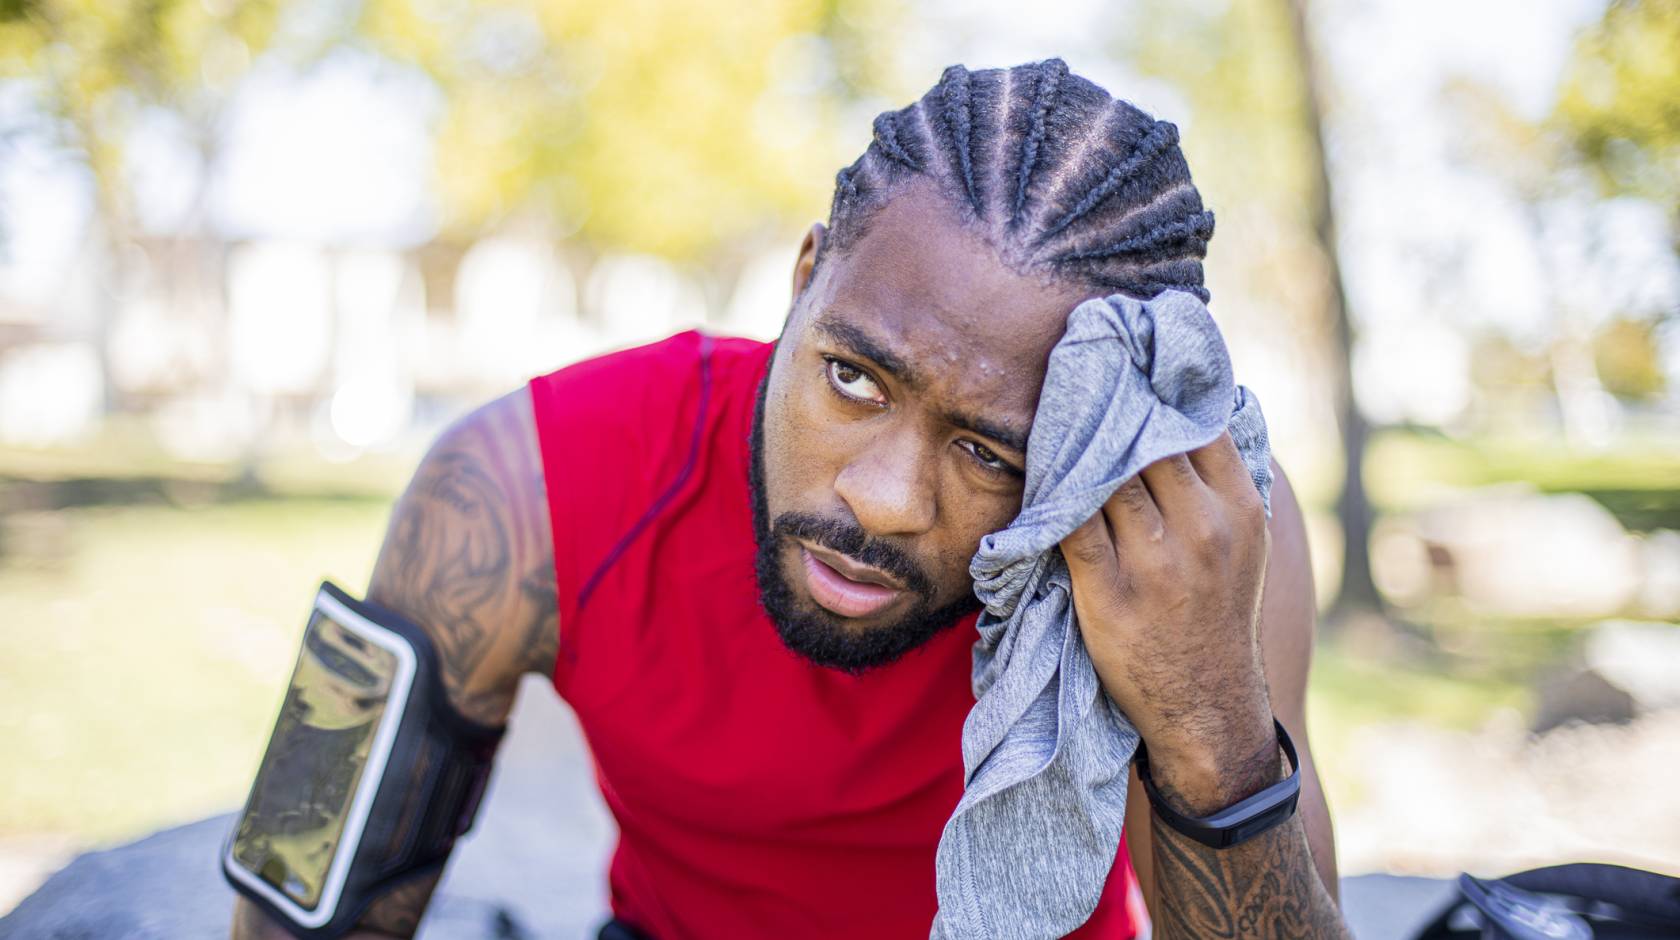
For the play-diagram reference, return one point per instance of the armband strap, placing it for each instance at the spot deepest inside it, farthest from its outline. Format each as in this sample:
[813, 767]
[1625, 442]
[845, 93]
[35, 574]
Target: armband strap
[435, 779]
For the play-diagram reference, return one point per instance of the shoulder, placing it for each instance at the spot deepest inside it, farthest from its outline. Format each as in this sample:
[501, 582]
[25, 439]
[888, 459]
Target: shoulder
[468, 556]
[625, 377]
[654, 375]
[634, 411]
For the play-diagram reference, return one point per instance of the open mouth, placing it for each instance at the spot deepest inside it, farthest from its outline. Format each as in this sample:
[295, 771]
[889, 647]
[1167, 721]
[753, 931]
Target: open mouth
[844, 587]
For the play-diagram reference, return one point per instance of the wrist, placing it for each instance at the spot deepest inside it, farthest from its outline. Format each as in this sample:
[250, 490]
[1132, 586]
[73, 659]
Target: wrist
[1202, 775]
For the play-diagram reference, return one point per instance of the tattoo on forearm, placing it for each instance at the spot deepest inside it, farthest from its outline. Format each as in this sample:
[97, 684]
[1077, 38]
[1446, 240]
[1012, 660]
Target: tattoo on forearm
[1266, 887]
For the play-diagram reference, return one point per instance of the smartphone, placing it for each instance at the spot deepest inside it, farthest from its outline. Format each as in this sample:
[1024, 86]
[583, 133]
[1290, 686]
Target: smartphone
[294, 841]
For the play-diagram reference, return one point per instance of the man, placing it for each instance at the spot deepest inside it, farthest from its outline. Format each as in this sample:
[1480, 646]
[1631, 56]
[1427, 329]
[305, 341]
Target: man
[656, 529]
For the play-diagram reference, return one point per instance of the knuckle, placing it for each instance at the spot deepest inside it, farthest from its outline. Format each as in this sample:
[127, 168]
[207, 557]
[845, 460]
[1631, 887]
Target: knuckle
[1208, 540]
[1208, 531]
[1131, 494]
[1090, 552]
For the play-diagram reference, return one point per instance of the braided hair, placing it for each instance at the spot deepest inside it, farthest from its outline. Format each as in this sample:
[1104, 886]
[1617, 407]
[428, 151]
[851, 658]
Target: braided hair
[1056, 174]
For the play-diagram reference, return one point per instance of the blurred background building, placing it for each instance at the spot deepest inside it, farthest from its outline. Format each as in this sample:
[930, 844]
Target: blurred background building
[253, 255]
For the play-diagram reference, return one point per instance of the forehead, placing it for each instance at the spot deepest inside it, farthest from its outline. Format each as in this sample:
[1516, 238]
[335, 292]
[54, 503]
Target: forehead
[936, 292]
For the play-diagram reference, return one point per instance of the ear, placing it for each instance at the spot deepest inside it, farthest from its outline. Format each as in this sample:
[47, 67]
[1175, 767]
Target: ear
[807, 263]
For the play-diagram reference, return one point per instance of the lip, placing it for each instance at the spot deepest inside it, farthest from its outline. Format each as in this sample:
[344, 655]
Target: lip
[845, 587]
[852, 570]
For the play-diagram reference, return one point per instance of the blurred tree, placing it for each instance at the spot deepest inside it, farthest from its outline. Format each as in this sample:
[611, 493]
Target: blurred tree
[1249, 73]
[1532, 160]
[1618, 110]
[690, 131]
[1499, 366]
[98, 68]
[1628, 358]
[1618, 103]
[1357, 595]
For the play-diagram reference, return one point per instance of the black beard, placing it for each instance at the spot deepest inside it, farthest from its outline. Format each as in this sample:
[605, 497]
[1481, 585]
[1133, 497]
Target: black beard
[817, 634]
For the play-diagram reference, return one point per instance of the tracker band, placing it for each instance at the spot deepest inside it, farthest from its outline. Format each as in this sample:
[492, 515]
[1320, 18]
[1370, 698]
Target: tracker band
[1240, 821]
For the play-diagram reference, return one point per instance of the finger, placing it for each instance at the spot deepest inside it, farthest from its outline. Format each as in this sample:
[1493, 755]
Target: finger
[1090, 554]
[1220, 464]
[1222, 467]
[1177, 488]
[1133, 516]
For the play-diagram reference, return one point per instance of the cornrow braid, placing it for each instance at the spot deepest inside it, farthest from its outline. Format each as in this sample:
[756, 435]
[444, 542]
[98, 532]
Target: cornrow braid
[1058, 174]
[1044, 98]
[956, 101]
[1198, 227]
[845, 189]
[1163, 135]
[886, 137]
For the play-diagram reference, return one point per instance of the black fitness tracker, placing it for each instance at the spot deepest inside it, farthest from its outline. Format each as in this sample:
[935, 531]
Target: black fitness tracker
[1242, 820]
[369, 778]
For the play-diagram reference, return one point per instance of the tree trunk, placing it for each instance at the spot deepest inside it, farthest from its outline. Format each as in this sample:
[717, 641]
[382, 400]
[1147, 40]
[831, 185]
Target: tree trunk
[1357, 594]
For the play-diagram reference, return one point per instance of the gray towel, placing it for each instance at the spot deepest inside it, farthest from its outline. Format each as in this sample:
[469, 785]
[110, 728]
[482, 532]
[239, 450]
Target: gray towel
[1045, 752]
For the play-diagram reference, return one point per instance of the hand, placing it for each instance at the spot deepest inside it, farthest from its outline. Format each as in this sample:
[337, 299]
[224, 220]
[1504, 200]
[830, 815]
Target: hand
[1166, 587]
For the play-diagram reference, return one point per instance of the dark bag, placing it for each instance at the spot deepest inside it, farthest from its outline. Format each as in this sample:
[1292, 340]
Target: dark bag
[1564, 902]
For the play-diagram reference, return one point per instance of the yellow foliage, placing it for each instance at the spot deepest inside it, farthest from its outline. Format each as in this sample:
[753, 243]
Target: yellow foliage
[644, 126]
[677, 129]
[1618, 99]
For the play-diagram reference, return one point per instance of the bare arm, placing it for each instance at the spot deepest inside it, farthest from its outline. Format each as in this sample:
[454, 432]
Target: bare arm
[469, 557]
[1169, 581]
[1199, 887]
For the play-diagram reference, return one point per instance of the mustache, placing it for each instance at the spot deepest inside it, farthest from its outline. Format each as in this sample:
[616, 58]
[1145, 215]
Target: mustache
[849, 539]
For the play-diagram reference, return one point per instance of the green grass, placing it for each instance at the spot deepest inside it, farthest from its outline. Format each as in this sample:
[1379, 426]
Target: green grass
[1349, 690]
[1638, 481]
[142, 654]
[124, 463]
[1350, 693]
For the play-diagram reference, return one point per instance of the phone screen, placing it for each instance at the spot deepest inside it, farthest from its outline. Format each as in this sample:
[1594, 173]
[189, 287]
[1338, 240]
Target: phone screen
[299, 805]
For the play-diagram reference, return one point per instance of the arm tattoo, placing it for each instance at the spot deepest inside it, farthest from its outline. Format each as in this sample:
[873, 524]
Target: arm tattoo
[470, 558]
[542, 636]
[398, 913]
[447, 560]
[1265, 887]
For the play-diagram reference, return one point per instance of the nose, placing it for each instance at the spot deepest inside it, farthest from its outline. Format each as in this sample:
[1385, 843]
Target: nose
[889, 487]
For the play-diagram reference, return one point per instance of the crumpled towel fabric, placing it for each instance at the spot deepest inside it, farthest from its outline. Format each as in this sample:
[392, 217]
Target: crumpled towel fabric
[1045, 752]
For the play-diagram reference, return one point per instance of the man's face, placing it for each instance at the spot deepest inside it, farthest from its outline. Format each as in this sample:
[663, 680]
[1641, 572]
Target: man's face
[890, 434]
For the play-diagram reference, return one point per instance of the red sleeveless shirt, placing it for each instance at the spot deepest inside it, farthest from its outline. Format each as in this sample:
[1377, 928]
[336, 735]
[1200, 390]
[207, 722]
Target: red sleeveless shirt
[756, 794]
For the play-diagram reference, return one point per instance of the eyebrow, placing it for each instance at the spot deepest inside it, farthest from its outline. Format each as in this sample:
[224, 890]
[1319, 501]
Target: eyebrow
[1013, 438]
[860, 343]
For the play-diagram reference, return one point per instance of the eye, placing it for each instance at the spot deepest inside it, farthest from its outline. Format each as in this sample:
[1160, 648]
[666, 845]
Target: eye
[988, 459]
[852, 382]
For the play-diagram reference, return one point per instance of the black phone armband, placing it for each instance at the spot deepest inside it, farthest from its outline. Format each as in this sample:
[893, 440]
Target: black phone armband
[369, 778]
